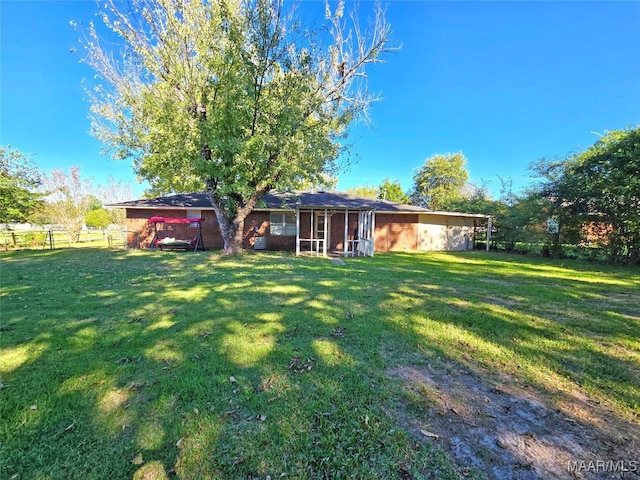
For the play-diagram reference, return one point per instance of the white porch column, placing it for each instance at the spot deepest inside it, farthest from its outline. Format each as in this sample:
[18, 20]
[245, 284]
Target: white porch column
[297, 231]
[346, 232]
[313, 243]
[373, 232]
[326, 225]
[488, 232]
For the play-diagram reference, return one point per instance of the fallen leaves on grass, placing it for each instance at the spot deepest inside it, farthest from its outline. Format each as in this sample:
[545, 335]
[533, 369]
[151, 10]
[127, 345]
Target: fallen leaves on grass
[300, 366]
[339, 332]
[125, 360]
[404, 474]
[227, 414]
[267, 384]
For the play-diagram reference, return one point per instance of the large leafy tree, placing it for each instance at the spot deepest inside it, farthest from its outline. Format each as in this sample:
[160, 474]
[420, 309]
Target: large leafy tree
[69, 199]
[231, 96]
[440, 181]
[366, 191]
[19, 181]
[600, 186]
[392, 190]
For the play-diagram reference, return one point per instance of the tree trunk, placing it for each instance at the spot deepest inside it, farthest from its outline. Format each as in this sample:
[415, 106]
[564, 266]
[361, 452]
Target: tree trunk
[232, 227]
[232, 231]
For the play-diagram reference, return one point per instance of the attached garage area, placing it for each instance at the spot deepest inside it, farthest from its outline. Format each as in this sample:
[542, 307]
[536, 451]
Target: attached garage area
[448, 232]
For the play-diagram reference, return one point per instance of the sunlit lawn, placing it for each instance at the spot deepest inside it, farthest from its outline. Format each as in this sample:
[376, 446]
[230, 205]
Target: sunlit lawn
[114, 363]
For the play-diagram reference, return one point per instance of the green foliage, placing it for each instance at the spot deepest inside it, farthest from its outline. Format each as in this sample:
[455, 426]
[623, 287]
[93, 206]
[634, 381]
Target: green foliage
[233, 97]
[392, 190]
[388, 190]
[367, 191]
[600, 189]
[324, 182]
[440, 181]
[98, 218]
[35, 239]
[474, 199]
[523, 221]
[94, 202]
[19, 178]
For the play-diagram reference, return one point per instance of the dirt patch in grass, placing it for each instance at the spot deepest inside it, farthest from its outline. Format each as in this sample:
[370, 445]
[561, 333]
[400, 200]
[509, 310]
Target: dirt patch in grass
[511, 433]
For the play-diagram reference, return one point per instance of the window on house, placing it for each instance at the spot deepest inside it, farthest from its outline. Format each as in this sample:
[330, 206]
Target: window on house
[282, 223]
[194, 214]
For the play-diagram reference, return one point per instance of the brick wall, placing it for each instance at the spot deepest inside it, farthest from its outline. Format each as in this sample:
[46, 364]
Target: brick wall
[257, 224]
[393, 232]
[396, 233]
[141, 231]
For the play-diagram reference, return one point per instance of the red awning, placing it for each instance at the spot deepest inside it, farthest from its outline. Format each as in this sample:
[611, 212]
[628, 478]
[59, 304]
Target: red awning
[175, 220]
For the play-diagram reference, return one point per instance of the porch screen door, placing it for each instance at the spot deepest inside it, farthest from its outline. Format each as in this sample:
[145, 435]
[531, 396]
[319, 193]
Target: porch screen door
[320, 222]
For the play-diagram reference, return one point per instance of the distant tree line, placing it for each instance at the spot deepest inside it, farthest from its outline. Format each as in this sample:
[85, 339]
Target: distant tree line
[592, 198]
[59, 197]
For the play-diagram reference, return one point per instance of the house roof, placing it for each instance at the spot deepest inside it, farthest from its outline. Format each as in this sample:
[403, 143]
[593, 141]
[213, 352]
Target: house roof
[288, 201]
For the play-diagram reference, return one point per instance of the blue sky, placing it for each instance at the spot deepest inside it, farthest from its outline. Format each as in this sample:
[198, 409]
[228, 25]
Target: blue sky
[504, 82]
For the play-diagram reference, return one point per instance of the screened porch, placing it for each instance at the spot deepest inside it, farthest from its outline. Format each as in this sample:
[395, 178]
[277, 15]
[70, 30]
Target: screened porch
[332, 231]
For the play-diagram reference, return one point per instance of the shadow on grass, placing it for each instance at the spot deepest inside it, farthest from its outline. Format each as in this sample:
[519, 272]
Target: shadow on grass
[270, 364]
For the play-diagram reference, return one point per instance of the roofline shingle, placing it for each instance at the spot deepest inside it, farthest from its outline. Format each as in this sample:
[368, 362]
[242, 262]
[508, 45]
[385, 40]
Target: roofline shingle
[289, 201]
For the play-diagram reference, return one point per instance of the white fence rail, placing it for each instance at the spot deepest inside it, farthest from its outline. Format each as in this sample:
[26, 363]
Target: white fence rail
[41, 239]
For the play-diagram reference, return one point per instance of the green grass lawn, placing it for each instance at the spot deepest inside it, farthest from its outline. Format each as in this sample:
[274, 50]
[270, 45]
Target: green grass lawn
[113, 363]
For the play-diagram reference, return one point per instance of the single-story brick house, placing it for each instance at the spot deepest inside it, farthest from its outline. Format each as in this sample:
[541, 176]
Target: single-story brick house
[320, 222]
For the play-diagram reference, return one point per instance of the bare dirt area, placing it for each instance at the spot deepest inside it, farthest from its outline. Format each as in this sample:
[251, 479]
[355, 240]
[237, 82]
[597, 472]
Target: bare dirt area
[499, 431]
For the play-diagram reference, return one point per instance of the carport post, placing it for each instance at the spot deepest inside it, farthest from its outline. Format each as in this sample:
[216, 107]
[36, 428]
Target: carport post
[488, 233]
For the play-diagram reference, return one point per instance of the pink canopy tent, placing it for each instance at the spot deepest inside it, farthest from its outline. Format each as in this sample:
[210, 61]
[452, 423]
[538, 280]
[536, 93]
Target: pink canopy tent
[173, 243]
